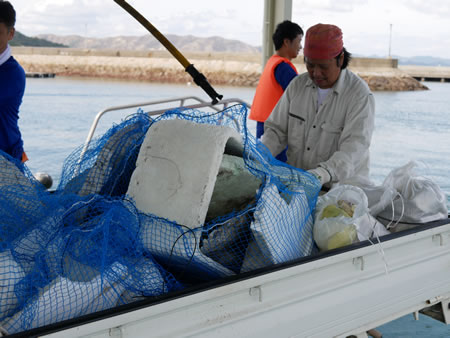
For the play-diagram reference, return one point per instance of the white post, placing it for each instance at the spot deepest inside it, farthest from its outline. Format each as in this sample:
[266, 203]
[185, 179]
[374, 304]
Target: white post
[390, 40]
[275, 11]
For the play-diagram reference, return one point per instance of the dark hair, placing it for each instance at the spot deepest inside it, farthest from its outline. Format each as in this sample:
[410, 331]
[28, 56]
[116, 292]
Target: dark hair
[347, 58]
[285, 30]
[7, 14]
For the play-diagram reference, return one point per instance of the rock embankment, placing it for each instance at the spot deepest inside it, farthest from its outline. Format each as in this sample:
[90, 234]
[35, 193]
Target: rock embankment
[220, 71]
[389, 79]
[392, 83]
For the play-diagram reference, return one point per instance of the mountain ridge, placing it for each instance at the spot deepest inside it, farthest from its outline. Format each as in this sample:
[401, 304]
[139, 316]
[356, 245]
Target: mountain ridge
[23, 40]
[146, 42]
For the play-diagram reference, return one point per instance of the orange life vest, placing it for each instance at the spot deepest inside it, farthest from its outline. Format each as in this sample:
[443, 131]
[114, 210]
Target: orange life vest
[268, 91]
[24, 157]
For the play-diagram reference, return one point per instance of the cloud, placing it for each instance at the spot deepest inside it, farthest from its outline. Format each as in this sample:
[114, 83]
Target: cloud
[102, 18]
[438, 8]
[340, 6]
[365, 23]
[233, 22]
[66, 17]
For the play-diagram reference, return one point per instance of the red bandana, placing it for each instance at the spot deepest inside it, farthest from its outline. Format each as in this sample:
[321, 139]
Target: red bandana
[323, 42]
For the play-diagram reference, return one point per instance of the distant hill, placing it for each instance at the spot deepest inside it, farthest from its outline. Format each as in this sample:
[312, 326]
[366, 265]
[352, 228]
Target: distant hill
[23, 40]
[413, 60]
[423, 61]
[187, 43]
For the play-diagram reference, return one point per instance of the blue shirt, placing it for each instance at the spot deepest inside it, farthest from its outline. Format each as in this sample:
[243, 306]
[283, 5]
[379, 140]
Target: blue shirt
[284, 74]
[12, 88]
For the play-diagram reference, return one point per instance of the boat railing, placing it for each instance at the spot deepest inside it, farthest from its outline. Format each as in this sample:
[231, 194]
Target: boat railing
[181, 103]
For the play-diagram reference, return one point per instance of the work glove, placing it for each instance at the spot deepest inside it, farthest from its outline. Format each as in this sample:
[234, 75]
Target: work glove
[322, 174]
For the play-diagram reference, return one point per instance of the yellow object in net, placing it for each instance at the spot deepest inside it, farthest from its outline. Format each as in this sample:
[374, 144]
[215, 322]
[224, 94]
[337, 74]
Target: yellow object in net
[331, 211]
[344, 237]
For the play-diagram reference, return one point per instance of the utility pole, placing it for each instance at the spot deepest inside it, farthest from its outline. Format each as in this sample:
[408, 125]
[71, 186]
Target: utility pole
[390, 40]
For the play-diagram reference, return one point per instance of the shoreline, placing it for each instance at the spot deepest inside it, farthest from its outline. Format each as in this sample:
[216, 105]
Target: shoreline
[238, 70]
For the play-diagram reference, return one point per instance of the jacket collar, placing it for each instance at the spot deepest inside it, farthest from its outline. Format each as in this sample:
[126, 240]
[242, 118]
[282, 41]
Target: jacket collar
[338, 87]
[5, 55]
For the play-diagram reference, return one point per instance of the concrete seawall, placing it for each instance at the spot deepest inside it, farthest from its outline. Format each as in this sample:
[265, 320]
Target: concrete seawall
[235, 69]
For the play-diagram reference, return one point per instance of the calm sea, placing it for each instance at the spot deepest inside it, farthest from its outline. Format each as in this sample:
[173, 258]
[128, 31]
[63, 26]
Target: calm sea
[57, 113]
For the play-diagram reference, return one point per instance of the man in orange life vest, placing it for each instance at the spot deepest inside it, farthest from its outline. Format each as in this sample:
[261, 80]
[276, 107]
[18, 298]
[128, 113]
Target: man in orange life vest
[277, 74]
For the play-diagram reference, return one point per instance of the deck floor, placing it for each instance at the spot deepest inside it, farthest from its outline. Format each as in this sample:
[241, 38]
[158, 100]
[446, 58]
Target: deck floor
[408, 327]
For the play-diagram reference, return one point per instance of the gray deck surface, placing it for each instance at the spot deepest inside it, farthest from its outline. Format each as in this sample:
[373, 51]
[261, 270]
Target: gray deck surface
[407, 326]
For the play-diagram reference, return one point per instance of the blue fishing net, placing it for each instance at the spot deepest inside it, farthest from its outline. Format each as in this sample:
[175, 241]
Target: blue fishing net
[104, 167]
[86, 247]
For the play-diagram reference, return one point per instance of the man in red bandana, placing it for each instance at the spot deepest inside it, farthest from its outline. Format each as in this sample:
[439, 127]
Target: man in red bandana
[326, 116]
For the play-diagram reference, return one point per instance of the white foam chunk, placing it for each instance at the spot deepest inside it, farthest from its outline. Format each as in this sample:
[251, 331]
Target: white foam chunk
[177, 167]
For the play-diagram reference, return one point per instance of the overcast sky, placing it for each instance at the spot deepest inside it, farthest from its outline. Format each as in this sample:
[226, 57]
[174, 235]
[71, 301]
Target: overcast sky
[419, 27]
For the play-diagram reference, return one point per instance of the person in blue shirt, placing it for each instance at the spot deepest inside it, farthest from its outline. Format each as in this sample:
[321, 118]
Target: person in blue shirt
[12, 87]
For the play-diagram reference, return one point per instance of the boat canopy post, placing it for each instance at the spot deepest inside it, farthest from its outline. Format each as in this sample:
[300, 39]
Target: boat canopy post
[275, 11]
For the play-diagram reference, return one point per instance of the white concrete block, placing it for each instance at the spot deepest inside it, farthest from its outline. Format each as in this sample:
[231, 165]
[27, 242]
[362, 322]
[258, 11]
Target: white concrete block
[177, 167]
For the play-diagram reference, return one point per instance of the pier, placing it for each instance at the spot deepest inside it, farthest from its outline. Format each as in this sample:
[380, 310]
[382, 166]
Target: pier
[427, 73]
[221, 68]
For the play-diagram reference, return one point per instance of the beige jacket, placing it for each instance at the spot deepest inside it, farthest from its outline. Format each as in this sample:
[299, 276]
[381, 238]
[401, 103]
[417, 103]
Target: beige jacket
[335, 136]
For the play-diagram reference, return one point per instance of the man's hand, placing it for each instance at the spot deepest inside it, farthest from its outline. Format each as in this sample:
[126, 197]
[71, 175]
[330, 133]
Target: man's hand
[322, 175]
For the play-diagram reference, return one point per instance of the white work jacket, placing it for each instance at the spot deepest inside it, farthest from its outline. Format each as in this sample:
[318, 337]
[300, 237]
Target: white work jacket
[335, 136]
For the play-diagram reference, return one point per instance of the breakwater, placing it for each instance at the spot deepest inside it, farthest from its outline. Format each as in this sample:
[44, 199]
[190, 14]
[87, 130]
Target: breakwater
[230, 69]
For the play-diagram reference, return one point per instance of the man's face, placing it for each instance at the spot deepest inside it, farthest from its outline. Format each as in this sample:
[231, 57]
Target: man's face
[294, 46]
[324, 73]
[6, 34]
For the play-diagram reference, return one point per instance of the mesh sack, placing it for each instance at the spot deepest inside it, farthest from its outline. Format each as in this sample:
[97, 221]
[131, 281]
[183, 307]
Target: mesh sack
[86, 247]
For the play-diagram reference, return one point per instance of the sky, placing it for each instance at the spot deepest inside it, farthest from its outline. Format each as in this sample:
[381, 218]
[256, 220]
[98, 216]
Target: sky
[371, 27]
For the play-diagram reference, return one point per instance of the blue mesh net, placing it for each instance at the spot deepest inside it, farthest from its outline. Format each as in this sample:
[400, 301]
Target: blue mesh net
[85, 247]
